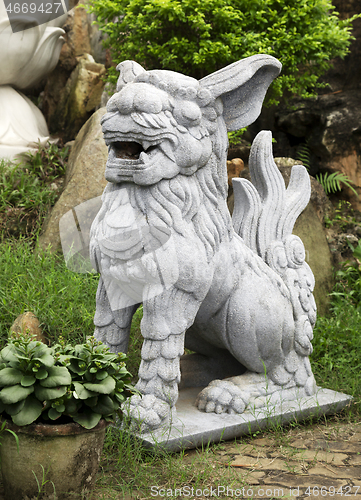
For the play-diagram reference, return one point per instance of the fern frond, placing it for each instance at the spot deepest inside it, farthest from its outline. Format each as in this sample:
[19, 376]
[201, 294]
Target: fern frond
[331, 183]
[303, 155]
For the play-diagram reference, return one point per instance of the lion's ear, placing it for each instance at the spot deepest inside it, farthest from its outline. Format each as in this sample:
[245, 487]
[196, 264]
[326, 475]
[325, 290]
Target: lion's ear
[128, 70]
[242, 87]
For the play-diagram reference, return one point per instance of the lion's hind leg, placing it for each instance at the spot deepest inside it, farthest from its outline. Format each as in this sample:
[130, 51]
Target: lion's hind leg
[256, 390]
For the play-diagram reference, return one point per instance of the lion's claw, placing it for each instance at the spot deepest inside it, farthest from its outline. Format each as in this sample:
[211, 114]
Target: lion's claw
[148, 412]
[222, 396]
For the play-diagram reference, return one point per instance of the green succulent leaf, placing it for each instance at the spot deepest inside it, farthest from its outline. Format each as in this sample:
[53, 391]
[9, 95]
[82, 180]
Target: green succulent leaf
[41, 374]
[105, 386]
[74, 366]
[46, 359]
[29, 413]
[28, 380]
[105, 405]
[58, 375]
[54, 414]
[88, 419]
[15, 393]
[71, 406]
[8, 354]
[46, 393]
[120, 397]
[10, 376]
[101, 375]
[60, 408]
[40, 348]
[14, 408]
[91, 401]
[82, 392]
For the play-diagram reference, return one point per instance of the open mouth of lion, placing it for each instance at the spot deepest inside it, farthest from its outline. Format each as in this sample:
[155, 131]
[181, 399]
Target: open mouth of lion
[129, 153]
[130, 150]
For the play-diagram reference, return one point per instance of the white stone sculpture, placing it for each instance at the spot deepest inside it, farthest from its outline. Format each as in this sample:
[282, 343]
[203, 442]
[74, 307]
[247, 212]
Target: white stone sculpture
[238, 292]
[26, 56]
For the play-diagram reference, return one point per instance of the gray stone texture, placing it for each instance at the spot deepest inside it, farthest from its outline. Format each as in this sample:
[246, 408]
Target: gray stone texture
[310, 228]
[84, 178]
[190, 429]
[237, 291]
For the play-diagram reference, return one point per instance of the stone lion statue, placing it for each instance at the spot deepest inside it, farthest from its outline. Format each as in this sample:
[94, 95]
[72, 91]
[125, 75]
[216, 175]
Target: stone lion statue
[237, 292]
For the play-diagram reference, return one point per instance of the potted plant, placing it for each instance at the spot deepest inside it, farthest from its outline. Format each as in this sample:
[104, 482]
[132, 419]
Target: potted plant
[58, 400]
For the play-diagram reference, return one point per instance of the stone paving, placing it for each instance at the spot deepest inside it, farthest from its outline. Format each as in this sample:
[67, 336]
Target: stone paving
[323, 461]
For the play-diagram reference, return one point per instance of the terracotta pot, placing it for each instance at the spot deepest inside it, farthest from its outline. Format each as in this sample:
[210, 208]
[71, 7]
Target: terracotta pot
[66, 456]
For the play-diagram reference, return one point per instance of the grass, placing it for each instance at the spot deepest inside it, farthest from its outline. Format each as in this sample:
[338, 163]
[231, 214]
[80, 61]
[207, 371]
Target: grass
[64, 302]
[336, 360]
[28, 189]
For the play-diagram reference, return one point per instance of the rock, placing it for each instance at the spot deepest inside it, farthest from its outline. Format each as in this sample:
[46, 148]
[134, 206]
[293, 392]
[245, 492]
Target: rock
[79, 98]
[318, 256]
[234, 168]
[28, 324]
[309, 227]
[240, 150]
[82, 46]
[84, 177]
[319, 200]
[330, 126]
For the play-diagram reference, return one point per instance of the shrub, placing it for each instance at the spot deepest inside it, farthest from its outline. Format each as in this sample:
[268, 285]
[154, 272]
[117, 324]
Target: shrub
[29, 188]
[197, 37]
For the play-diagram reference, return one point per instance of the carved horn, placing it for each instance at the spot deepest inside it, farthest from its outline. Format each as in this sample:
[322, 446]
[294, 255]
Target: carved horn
[242, 87]
[128, 70]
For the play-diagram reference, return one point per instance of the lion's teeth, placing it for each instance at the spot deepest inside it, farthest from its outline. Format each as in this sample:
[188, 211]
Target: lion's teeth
[167, 149]
[143, 157]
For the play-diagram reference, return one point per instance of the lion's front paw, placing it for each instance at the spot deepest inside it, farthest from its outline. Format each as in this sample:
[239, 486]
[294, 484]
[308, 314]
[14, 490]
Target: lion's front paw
[222, 396]
[148, 412]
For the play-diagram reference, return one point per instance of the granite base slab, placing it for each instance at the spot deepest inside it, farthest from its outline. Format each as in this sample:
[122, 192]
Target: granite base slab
[191, 428]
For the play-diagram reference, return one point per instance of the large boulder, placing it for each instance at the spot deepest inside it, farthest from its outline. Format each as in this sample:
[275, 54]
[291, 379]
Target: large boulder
[80, 96]
[84, 179]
